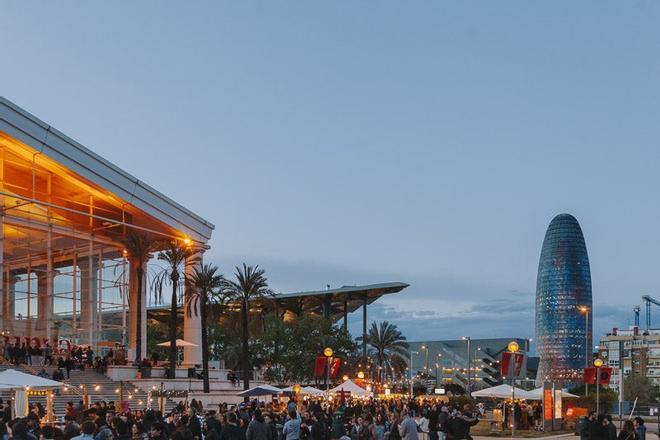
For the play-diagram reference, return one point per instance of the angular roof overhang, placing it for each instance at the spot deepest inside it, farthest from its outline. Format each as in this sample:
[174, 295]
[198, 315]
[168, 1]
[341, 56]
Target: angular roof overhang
[28, 129]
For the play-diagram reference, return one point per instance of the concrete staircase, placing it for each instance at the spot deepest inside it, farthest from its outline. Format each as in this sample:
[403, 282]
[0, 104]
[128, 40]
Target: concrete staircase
[99, 388]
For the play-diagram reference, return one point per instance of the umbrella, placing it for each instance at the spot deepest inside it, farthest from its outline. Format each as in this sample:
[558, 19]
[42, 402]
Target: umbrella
[538, 394]
[503, 392]
[260, 390]
[179, 343]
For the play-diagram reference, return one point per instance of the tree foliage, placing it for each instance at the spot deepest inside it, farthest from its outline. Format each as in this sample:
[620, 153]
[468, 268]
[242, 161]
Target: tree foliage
[389, 348]
[251, 286]
[639, 387]
[287, 350]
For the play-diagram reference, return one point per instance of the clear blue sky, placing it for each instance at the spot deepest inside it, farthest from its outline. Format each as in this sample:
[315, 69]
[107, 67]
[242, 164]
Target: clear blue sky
[354, 142]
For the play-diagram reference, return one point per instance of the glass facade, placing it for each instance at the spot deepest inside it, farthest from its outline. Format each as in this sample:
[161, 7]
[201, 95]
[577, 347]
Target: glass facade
[563, 303]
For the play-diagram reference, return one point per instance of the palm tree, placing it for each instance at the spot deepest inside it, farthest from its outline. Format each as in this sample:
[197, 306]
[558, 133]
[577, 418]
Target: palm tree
[206, 289]
[250, 285]
[176, 258]
[388, 344]
[139, 247]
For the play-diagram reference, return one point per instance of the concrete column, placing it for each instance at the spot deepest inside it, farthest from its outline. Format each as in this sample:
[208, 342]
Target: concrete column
[133, 311]
[88, 291]
[44, 304]
[327, 306]
[192, 325]
[364, 326]
[8, 300]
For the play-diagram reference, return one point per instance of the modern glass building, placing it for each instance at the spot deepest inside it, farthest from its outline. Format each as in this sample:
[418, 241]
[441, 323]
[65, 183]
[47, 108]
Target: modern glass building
[65, 213]
[563, 303]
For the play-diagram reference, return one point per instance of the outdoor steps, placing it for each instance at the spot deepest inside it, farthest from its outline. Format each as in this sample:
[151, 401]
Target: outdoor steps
[107, 389]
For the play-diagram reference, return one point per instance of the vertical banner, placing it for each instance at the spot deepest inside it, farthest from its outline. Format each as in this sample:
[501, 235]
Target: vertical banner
[558, 408]
[512, 365]
[319, 366]
[334, 367]
[548, 407]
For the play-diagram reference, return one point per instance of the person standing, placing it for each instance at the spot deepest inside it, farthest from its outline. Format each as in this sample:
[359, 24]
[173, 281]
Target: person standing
[628, 432]
[610, 428]
[640, 429]
[257, 428]
[407, 427]
[291, 429]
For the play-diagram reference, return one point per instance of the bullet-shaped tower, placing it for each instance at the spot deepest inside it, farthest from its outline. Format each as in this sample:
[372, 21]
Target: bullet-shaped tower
[563, 303]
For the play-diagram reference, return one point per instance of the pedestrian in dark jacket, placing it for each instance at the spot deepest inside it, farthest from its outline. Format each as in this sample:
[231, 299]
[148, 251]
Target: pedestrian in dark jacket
[257, 428]
[231, 431]
[610, 428]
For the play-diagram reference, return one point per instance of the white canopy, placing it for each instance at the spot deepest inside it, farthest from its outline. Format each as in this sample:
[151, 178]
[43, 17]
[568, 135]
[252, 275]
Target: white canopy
[17, 380]
[260, 390]
[350, 387]
[538, 394]
[179, 343]
[304, 390]
[503, 392]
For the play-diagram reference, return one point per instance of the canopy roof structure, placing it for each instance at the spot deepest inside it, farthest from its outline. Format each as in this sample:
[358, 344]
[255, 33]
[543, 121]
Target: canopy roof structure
[334, 303]
[17, 380]
[117, 194]
[350, 387]
[503, 391]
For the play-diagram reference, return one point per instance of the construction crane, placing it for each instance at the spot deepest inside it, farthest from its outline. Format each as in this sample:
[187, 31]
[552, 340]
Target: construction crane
[648, 300]
[636, 310]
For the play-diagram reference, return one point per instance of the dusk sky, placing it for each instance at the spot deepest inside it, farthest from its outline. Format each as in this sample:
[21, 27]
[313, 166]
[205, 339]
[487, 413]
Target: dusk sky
[353, 142]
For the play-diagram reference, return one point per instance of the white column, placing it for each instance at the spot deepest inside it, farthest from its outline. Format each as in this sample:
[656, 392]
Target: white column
[192, 325]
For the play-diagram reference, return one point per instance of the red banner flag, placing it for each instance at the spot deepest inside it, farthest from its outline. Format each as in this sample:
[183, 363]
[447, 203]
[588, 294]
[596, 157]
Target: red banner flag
[334, 368]
[319, 366]
[604, 375]
[511, 365]
[590, 375]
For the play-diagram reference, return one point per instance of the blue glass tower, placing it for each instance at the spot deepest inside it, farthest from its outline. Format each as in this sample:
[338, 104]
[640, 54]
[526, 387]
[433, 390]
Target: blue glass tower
[563, 299]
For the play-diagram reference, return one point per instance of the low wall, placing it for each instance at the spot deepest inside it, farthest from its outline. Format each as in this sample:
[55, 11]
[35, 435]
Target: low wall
[125, 372]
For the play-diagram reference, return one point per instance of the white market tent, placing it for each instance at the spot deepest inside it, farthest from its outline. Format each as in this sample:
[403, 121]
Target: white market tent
[17, 380]
[503, 392]
[350, 387]
[304, 390]
[20, 382]
[260, 390]
[179, 343]
[538, 394]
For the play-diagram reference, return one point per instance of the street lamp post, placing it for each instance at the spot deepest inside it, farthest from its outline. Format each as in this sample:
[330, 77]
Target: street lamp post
[598, 363]
[469, 365]
[327, 352]
[513, 347]
[585, 310]
[426, 363]
[411, 371]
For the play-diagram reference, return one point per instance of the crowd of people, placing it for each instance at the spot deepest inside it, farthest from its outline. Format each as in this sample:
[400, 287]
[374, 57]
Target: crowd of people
[305, 420]
[600, 427]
